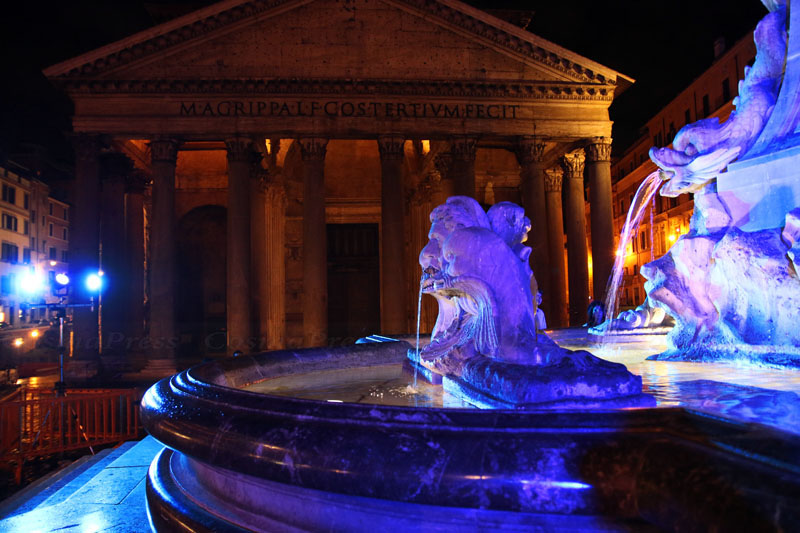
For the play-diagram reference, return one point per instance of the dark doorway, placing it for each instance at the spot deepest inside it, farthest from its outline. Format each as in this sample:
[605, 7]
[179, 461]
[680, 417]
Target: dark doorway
[200, 303]
[354, 301]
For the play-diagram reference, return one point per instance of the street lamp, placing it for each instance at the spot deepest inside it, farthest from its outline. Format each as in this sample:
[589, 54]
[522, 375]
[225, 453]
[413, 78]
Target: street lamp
[94, 282]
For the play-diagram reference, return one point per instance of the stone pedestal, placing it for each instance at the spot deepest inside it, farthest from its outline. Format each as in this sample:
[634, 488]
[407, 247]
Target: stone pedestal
[393, 304]
[529, 152]
[555, 224]
[598, 169]
[85, 242]
[462, 168]
[575, 225]
[163, 340]
[315, 250]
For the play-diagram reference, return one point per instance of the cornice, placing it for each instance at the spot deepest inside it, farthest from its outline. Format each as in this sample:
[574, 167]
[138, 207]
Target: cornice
[276, 87]
[464, 18]
[161, 37]
[454, 14]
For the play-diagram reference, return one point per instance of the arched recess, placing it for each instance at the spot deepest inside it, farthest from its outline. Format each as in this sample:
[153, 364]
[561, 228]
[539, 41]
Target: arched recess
[201, 298]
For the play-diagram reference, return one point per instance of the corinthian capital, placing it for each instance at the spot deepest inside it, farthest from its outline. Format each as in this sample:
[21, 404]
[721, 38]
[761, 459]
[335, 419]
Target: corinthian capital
[529, 150]
[443, 161]
[599, 150]
[240, 150]
[553, 178]
[87, 146]
[164, 149]
[573, 164]
[313, 148]
[463, 148]
[391, 147]
[136, 182]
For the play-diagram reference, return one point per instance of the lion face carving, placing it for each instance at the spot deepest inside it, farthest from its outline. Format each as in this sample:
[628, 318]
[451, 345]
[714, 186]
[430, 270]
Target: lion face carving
[476, 267]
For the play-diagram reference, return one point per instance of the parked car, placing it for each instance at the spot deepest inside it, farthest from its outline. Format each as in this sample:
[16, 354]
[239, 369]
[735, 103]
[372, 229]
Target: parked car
[4, 325]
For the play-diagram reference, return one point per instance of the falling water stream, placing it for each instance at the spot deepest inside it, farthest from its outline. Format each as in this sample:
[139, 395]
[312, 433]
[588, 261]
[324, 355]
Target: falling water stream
[419, 314]
[639, 204]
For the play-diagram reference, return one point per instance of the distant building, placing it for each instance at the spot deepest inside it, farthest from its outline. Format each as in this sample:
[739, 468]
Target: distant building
[34, 235]
[709, 96]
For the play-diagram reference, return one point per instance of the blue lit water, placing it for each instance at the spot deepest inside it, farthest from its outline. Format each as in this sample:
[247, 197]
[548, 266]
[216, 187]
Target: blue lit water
[740, 392]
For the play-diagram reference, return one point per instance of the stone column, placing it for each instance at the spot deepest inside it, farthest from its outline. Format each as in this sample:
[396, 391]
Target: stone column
[116, 168]
[577, 253]
[273, 305]
[239, 319]
[529, 152]
[134, 248]
[258, 254]
[315, 248]
[393, 304]
[163, 156]
[598, 169]
[422, 200]
[555, 223]
[84, 242]
[462, 168]
[443, 162]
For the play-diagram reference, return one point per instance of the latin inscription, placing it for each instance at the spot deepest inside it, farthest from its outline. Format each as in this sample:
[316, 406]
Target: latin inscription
[335, 108]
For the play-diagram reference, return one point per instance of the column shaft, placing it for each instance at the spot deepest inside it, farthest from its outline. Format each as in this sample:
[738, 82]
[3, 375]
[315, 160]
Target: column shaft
[274, 304]
[84, 242]
[462, 168]
[164, 153]
[239, 320]
[555, 223]
[577, 251]
[598, 168]
[116, 168]
[529, 152]
[393, 304]
[446, 188]
[258, 256]
[315, 249]
[134, 248]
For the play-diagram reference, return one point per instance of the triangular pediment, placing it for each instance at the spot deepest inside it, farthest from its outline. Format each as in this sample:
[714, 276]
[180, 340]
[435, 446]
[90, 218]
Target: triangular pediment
[382, 40]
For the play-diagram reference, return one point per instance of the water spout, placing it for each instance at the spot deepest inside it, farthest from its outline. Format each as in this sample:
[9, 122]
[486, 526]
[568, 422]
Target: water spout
[641, 199]
[419, 314]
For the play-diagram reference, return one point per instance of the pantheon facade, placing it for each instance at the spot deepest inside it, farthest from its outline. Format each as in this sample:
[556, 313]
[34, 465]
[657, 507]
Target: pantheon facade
[259, 173]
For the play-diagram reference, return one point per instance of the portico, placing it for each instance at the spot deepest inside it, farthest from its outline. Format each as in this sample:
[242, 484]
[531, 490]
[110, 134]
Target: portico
[294, 115]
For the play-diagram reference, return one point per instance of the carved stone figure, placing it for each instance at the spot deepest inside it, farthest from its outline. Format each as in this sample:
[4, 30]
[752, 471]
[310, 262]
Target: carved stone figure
[703, 149]
[485, 338]
[731, 283]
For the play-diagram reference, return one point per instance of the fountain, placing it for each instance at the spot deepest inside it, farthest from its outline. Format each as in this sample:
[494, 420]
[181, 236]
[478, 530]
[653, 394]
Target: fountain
[731, 283]
[485, 347]
[246, 452]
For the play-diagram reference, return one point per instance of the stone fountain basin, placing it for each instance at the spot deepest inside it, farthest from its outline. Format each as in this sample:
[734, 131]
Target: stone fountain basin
[240, 460]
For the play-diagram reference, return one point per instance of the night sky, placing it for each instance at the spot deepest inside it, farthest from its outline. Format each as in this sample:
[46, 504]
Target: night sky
[662, 45]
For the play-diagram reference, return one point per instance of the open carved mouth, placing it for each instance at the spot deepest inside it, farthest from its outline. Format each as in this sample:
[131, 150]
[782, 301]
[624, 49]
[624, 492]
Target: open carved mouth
[465, 314]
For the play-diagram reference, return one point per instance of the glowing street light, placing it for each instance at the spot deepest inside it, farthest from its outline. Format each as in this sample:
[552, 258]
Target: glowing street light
[31, 283]
[62, 279]
[94, 282]
[34, 333]
[18, 342]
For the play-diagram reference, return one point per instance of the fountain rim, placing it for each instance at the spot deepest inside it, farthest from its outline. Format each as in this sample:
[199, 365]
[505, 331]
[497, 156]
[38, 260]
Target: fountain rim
[201, 381]
[376, 451]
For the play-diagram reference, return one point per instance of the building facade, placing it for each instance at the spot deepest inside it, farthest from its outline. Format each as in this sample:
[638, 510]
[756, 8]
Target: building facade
[289, 153]
[711, 95]
[35, 241]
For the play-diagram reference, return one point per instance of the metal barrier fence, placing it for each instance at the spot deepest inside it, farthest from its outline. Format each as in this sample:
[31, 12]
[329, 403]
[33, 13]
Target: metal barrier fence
[37, 423]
